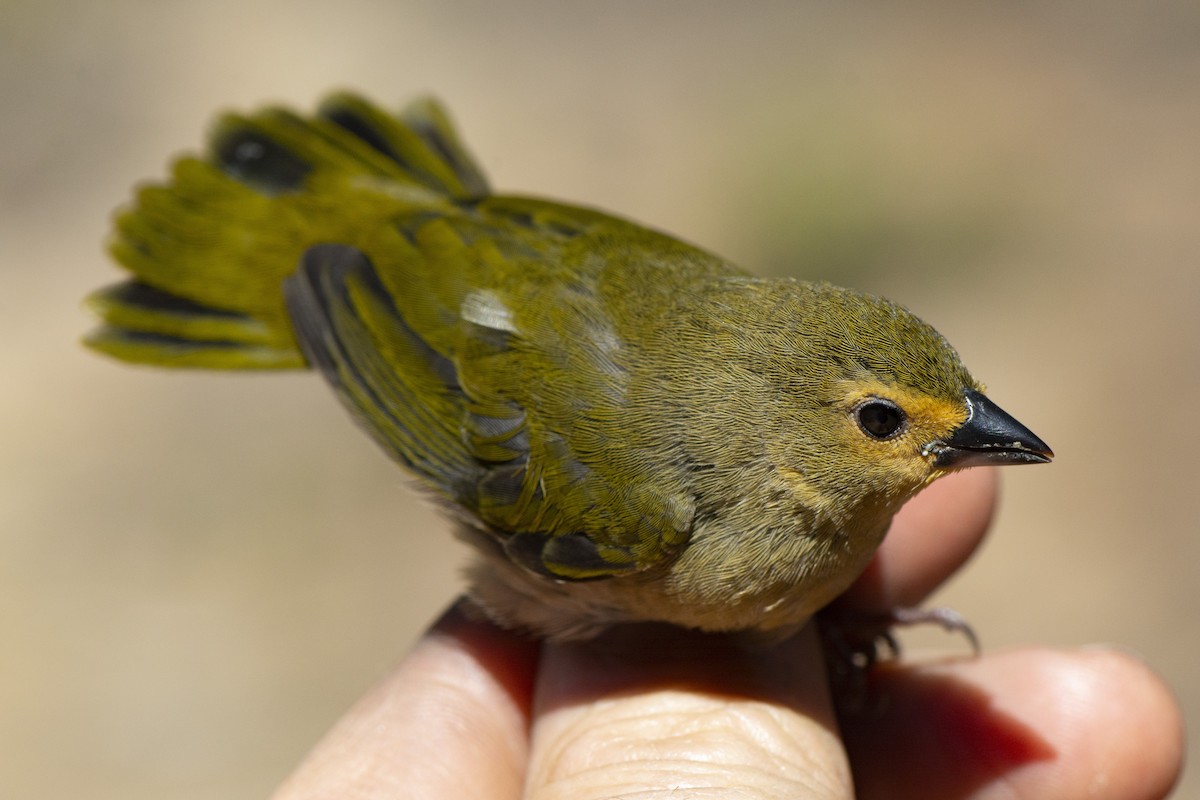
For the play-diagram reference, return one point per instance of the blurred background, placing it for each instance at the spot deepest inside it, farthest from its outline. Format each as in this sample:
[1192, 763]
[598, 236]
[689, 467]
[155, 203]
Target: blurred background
[200, 572]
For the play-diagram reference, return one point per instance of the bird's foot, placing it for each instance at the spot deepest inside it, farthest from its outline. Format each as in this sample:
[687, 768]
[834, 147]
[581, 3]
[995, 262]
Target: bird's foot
[855, 642]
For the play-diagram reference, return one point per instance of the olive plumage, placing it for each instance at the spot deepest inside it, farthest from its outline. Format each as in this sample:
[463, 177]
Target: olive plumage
[626, 427]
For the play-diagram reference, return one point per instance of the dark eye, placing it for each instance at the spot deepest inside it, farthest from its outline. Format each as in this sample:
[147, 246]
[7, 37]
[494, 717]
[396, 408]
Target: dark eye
[880, 419]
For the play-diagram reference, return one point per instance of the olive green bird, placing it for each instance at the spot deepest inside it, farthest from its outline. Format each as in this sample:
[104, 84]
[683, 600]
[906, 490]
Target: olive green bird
[625, 427]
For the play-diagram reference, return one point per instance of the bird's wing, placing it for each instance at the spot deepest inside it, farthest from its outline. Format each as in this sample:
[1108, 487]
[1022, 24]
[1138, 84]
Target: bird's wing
[479, 350]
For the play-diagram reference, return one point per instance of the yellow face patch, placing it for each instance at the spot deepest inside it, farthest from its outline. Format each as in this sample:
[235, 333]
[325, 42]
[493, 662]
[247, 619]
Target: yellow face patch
[927, 418]
[923, 411]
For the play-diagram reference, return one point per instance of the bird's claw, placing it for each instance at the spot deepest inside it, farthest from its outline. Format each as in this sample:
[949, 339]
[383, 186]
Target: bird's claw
[855, 642]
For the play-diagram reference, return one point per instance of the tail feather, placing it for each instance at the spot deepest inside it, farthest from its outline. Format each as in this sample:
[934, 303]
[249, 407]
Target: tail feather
[146, 325]
[209, 251]
[258, 158]
[421, 141]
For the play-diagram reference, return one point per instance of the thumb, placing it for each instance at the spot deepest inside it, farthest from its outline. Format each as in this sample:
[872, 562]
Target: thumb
[649, 710]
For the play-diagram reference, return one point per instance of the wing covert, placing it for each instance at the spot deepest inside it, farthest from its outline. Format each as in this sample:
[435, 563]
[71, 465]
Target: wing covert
[490, 368]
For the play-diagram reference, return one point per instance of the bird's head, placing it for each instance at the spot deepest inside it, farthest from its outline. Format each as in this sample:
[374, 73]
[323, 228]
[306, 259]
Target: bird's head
[883, 403]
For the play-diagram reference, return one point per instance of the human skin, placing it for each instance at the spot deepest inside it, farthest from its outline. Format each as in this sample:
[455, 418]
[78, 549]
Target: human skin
[651, 711]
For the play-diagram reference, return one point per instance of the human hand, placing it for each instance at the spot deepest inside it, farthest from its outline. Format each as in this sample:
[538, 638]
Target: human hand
[650, 711]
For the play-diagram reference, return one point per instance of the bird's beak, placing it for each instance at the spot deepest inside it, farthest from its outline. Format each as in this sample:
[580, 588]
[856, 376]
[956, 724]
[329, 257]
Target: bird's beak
[989, 436]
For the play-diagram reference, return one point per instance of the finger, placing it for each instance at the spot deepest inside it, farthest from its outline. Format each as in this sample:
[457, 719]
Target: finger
[1028, 723]
[929, 539]
[450, 721]
[652, 709]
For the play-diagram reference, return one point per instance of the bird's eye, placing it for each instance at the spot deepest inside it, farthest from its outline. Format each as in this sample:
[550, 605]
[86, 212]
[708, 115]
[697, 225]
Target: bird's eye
[879, 418]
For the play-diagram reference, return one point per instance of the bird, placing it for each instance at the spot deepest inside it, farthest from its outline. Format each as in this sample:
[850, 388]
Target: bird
[624, 427]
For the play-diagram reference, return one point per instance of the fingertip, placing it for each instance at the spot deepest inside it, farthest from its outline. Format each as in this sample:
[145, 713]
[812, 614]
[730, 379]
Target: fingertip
[1124, 714]
[656, 710]
[461, 695]
[1027, 723]
[636, 659]
[508, 658]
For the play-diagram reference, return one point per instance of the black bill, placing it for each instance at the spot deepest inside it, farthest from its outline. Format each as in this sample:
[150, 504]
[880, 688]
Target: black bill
[989, 436]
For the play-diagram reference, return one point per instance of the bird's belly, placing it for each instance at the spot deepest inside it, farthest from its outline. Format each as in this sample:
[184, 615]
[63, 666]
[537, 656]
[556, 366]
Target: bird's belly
[779, 579]
[716, 584]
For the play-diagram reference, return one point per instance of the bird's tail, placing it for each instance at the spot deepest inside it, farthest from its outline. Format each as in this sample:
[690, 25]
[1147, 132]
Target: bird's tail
[210, 249]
